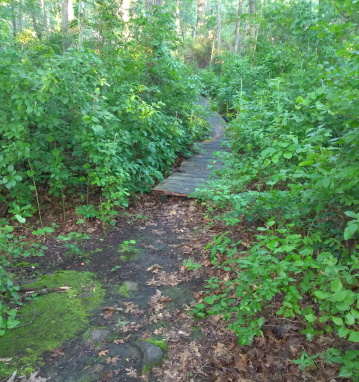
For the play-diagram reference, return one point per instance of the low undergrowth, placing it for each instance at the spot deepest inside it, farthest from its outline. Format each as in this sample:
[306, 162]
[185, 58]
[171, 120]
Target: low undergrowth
[293, 175]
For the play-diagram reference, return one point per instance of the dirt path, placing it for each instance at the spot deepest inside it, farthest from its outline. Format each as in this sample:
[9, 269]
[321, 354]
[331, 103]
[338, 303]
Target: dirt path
[147, 297]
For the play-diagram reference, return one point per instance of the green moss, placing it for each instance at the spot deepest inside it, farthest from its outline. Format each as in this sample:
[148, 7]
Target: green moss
[123, 291]
[50, 319]
[158, 342]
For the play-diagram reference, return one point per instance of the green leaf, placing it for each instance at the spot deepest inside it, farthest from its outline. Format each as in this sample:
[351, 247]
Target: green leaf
[20, 219]
[350, 230]
[345, 372]
[338, 321]
[306, 163]
[287, 155]
[86, 119]
[310, 317]
[320, 295]
[353, 336]
[336, 285]
[343, 332]
[351, 214]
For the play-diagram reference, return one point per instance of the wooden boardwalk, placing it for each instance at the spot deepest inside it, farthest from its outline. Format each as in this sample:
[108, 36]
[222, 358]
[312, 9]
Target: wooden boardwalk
[195, 171]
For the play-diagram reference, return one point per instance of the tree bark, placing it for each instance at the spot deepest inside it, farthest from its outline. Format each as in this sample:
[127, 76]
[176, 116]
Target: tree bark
[238, 26]
[65, 16]
[44, 15]
[13, 17]
[200, 14]
[219, 27]
[151, 3]
[252, 28]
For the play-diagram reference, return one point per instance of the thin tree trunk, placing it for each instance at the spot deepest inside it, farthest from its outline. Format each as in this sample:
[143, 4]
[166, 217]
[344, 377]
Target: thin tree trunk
[258, 24]
[13, 17]
[178, 20]
[65, 16]
[252, 28]
[44, 15]
[219, 27]
[244, 36]
[200, 14]
[36, 25]
[151, 3]
[80, 26]
[238, 26]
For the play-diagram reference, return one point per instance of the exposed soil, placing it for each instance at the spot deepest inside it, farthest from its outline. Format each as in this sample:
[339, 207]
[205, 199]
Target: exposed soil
[156, 306]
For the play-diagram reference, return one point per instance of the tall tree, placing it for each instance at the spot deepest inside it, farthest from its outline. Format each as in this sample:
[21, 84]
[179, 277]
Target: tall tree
[200, 14]
[219, 27]
[238, 26]
[252, 28]
[151, 3]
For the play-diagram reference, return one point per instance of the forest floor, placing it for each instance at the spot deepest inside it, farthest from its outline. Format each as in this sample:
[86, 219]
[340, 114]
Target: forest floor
[148, 296]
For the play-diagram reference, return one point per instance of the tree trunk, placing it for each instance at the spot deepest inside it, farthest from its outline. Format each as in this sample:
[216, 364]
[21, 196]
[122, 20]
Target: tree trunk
[65, 16]
[258, 24]
[200, 14]
[44, 15]
[20, 16]
[252, 28]
[151, 3]
[244, 36]
[13, 17]
[219, 27]
[178, 20]
[238, 26]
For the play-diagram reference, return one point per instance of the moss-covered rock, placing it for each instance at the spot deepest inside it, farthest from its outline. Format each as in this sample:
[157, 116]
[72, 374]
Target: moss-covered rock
[50, 319]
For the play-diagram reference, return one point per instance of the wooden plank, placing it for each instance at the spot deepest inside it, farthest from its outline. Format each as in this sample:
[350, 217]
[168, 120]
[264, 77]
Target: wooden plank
[194, 172]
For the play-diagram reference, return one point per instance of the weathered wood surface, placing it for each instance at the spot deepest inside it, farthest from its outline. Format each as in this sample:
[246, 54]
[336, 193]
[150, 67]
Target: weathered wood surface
[195, 171]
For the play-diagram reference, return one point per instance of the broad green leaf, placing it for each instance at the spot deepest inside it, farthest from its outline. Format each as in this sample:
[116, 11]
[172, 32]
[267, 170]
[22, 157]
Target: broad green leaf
[336, 285]
[337, 321]
[350, 230]
[351, 214]
[20, 219]
[353, 336]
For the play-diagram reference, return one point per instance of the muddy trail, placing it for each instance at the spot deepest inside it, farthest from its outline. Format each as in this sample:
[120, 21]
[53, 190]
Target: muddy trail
[146, 298]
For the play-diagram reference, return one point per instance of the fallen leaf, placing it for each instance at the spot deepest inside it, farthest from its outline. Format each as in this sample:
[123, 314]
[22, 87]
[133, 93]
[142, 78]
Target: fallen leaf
[131, 372]
[102, 353]
[33, 378]
[57, 353]
[112, 360]
[109, 311]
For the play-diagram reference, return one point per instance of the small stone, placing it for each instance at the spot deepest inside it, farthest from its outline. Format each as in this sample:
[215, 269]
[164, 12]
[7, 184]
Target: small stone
[152, 354]
[280, 332]
[98, 368]
[98, 335]
[131, 286]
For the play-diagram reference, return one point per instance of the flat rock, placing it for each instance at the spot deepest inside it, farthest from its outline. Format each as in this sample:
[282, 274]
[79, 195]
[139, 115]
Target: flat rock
[131, 286]
[152, 354]
[98, 334]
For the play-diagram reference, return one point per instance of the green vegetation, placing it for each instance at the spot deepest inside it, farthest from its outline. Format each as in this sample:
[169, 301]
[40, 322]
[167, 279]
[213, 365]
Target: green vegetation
[50, 319]
[293, 173]
[107, 106]
[161, 343]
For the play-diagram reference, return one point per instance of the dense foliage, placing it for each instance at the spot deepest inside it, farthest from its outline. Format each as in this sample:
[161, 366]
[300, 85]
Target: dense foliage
[98, 119]
[294, 172]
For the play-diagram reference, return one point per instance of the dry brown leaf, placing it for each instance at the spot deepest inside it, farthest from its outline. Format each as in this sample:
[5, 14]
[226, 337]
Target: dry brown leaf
[112, 360]
[57, 353]
[102, 353]
[109, 311]
[131, 372]
[133, 326]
